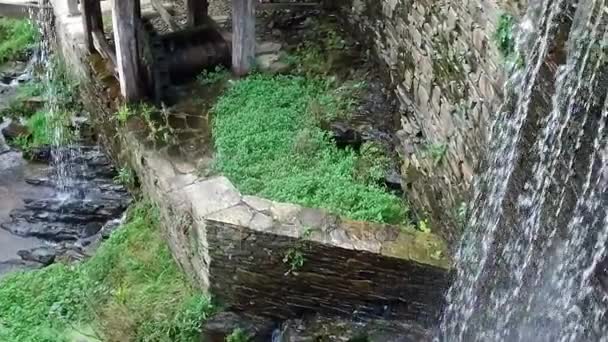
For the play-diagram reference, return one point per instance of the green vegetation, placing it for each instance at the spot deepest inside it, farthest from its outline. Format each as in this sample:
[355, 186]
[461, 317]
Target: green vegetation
[131, 290]
[238, 335]
[505, 40]
[214, 76]
[16, 36]
[269, 144]
[126, 177]
[437, 152]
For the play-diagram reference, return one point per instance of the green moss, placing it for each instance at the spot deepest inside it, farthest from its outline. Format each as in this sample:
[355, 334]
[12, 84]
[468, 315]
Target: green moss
[131, 290]
[16, 36]
[268, 144]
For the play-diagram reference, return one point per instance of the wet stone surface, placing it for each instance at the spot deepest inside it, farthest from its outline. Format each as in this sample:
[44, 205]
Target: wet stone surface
[68, 217]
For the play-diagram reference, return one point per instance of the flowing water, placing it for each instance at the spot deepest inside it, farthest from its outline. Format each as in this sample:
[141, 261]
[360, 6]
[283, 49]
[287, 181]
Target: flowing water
[528, 262]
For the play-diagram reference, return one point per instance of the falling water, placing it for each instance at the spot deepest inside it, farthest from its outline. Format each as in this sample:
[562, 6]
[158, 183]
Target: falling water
[528, 265]
[63, 156]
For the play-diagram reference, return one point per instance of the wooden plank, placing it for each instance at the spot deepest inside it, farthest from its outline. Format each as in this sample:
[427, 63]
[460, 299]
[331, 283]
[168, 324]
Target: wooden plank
[104, 48]
[165, 15]
[92, 20]
[243, 36]
[197, 11]
[124, 16]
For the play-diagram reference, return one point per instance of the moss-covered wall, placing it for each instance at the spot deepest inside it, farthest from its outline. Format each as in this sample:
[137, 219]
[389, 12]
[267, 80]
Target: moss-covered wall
[448, 73]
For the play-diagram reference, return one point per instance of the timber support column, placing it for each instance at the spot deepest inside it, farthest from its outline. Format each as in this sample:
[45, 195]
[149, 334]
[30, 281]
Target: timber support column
[125, 14]
[197, 11]
[91, 20]
[243, 36]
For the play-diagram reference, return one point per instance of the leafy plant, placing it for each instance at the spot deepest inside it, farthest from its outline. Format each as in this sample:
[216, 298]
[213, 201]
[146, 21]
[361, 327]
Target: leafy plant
[294, 259]
[423, 226]
[213, 77]
[504, 38]
[269, 144]
[237, 335]
[124, 113]
[126, 177]
[130, 290]
[16, 36]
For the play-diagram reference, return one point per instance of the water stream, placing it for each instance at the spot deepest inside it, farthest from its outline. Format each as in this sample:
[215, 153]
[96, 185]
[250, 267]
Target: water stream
[527, 266]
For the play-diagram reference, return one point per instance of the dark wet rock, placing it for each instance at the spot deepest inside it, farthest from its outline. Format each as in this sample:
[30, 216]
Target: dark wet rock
[320, 328]
[43, 255]
[14, 130]
[393, 180]
[257, 329]
[17, 265]
[56, 231]
[109, 228]
[345, 135]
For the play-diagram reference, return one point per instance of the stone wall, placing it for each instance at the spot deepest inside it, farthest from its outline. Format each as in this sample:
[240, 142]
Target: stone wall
[448, 75]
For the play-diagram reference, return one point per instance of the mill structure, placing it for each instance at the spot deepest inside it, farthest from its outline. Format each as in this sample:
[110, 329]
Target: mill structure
[146, 62]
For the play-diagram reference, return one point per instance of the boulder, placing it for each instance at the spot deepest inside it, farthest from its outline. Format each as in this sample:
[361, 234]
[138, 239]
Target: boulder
[42, 255]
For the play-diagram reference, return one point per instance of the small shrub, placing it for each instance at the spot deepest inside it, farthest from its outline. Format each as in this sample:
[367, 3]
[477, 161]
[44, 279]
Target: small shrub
[294, 259]
[124, 113]
[215, 76]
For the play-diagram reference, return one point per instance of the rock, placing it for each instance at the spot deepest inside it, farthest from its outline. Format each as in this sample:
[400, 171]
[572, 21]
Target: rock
[10, 159]
[321, 328]
[48, 231]
[256, 328]
[3, 145]
[109, 228]
[14, 130]
[345, 135]
[43, 255]
[271, 63]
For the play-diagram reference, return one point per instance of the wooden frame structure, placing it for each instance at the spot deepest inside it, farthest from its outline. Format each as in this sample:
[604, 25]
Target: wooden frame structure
[126, 16]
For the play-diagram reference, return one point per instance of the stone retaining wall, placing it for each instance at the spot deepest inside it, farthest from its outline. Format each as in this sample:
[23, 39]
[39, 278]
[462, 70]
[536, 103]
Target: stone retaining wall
[448, 75]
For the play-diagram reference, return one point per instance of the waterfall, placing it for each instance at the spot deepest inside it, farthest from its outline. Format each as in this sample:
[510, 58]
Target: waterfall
[53, 91]
[529, 265]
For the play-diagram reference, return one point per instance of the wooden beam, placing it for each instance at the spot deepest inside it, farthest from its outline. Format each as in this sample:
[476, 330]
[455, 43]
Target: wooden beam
[165, 15]
[294, 6]
[197, 11]
[103, 47]
[124, 16]
[92, 20]
[73, 7]
[243, 36]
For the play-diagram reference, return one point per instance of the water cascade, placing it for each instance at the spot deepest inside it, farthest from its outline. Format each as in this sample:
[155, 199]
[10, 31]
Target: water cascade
[529, 265]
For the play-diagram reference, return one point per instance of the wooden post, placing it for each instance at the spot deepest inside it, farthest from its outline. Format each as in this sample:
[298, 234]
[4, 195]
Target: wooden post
[197, 11]
[91, 21]
[73, 7]
[124, 21]
[243, 36]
